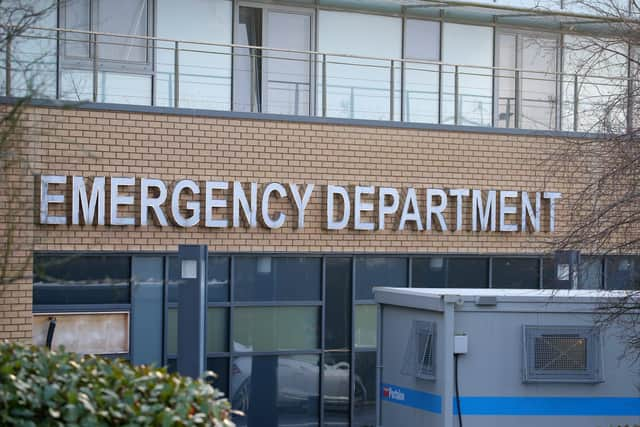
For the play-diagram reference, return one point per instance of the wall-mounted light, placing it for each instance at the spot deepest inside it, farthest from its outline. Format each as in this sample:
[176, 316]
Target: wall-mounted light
[189, 269]
[436, 263]
[264, 265]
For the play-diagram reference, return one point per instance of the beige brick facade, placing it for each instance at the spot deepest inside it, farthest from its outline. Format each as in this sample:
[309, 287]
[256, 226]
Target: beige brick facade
[172, 147]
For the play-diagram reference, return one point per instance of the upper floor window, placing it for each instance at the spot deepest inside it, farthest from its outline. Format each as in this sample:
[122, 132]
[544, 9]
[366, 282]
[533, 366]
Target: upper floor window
[130, 17]
[421, 78]
[526, 99]
[467, 88]
[595, 85]
[360, 87]
[273, 81]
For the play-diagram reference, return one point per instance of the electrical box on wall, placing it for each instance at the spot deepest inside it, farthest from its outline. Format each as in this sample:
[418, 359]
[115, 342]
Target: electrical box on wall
[460, 344]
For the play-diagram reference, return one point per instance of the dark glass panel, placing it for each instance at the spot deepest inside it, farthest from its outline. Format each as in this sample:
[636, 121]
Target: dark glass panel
[590, 272]
[516, 273]
[379, 271]
[217, 278]
[549, 279]
[81, 279]
[276, 390]
[147, 270]
[173, 279]
[269, 278]
[336, 374]
[623, 272]
[468, 272]
[429, 272]
[219, 365]
[364, 398]
[338, 303]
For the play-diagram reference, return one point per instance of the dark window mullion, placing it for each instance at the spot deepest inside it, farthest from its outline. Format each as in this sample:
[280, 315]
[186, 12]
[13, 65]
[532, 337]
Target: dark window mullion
[323, 317]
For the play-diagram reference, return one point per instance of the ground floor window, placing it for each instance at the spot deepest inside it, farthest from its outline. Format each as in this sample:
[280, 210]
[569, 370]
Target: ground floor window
[292, 337]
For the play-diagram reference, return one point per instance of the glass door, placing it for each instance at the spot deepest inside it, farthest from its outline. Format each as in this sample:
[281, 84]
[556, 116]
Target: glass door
[287, 83]
[272, 72]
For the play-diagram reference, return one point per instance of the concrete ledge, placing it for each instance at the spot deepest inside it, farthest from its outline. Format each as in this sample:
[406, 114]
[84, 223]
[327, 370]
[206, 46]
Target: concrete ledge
[297, 119]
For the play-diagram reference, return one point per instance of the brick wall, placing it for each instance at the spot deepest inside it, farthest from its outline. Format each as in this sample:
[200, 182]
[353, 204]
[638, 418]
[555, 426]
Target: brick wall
[95, 143]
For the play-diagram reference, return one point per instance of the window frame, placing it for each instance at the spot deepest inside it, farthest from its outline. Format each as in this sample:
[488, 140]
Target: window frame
[266, 8]
[594, 371]
[90, 62]
[518, 34]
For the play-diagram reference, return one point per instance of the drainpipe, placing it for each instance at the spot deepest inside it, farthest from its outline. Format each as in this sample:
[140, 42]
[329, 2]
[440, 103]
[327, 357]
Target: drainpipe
[379, 366]
[450, 302]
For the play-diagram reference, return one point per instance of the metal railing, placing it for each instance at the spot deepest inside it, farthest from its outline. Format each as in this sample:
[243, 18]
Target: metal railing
[88, 66]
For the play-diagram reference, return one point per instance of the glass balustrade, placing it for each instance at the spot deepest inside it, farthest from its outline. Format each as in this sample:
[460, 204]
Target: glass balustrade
[439, 82]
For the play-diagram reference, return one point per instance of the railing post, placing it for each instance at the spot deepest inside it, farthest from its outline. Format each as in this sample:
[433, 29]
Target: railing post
[176, 75]
[95, 68]
[516, 107]
[575, 103]
[7, 68]
[324, 85]
[440, 77]
[456, 94]
[391, 88]
[402, 91]
[630, 104]
[352, 102]
[296, 99]
[252, 82]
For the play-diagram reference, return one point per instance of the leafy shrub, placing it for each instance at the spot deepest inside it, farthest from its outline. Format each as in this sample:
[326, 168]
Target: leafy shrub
[56, 388]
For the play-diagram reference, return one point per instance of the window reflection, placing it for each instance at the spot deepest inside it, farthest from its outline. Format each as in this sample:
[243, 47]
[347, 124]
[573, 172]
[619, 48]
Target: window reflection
[623, 272]
[590, 272]
[218, 365]
[359, 88]
[516, 273]
[335, 377]
[421, 81]
[267, 80]
[474, 99]
[429, 272]
[364, 398]
[338, 303]
[379, 271]
[216, 331]
[527, 100]
[450, 272]
[366, 320]
[601, 99]
[269, 278]
[276, 390]
[79, 279]
[275, 328]
[204, 70]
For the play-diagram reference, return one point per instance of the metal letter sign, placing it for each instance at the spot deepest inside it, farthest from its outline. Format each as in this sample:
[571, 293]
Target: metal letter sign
[192, 309]
[234, 204]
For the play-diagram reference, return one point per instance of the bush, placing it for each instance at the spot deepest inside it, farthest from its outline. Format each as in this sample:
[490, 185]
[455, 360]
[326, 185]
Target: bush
[56, 388]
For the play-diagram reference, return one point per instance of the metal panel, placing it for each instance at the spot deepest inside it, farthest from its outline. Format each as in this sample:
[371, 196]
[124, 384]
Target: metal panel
[147, 310]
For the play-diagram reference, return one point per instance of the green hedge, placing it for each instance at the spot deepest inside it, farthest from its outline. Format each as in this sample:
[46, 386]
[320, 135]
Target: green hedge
[39, 387]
